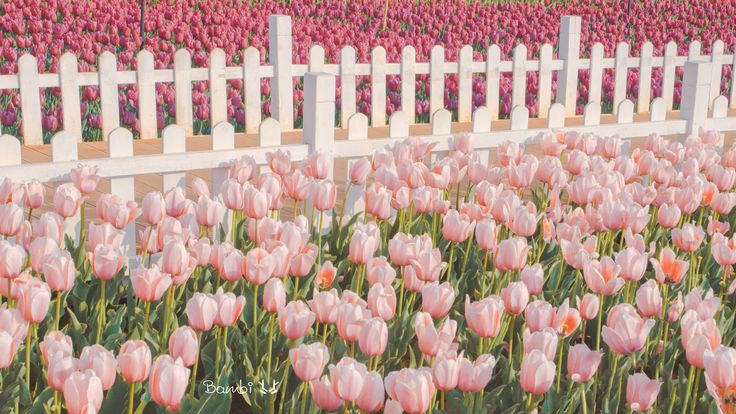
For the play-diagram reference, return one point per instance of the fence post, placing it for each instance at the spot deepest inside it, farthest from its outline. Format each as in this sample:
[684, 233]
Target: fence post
[319, 114]
[695, 95]
[569, 53]
[279, 55]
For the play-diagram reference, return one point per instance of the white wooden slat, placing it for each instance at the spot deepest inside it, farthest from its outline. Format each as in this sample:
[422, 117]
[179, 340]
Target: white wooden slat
[695, 95]
[544, 95]
[493, 80]
[357, 132]
[30, 102]
[720, 107]
[218, 87]
[693, 50]
[64, 149]
[441, 122]
[316, 58]
[9, 151]
[174, 141]
[518, 89]
[398, 125]
[108, 82]
[436, 79]
[319, 115]
[668, 74]
[556, 117]
[465, 85]
[223, 139]
[732, 100]
[519, 118]
[592, 114]
[620, 78]
[716, 60]
[269, 133]
[358, 127]
[146, 95]
[408, 83]
[482, 124]
[569, 52]
[70, 107]
[183, 89]
[280, 56]
[645, 78]
[595, 86]
[252, 89]
[378, 86]
[347, 85]
[625, 112]
[120, 145]
[657, 110]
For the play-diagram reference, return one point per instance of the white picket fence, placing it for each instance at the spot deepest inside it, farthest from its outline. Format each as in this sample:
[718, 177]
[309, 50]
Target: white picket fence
[281, 72]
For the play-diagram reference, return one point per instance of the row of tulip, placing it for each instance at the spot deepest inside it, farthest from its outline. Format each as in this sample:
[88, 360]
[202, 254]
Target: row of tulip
[47, 29]
[460, 287]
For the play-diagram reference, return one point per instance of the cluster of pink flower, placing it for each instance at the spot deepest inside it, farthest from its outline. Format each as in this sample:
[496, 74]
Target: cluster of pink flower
[50, 28]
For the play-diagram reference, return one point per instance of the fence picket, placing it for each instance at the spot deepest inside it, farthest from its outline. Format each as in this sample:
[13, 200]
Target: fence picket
[218, 87]
[378, 86]
[518, 89]
[9, 151]
[316, 58]
[30, 102]
[592, 114]
[556, 117]
[408, 82]
[436, 79]
[69, 85]
[223, 138]
[668, 75]
[146, 95]
[596, 73]
[645, 77]
[625, 112]
[544, 95]
[657, 110]
[621, 76]
[493, 80]
[279, 55]
[357, 131]
[482, 124]
[519, 118]
[398, 125]
[347, 85]
[569, 52]
[174, 142]
[252, 89]
[716, 61]
[183, 89]
[120, 145]
[465, 84]
[108, 80]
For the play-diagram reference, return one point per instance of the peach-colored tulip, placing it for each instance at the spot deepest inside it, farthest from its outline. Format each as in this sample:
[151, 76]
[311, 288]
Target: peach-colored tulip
[723, 250]
[176, 201]
[67, 200]
[589, 306]
[258, 266]
[229, 308]
[720, 368]
[432, 340]
[359, 171]
[602, 276]
[474, 376]
[545, 341]
[85, 178]
[362, 247]
[688, 238]
[177, 262]
[648, 299]
[582, 363]
[7, 349]
[34, 194]
[625, 331]
[120, 214]
[59, 368]
[515, 297]
[106, 234]
[50, 225]
[511, 254]
[324, 305]
[183, 344]
[55, 342]
[537, 373]
[372, 396]
[696, 348]
[325, 275]
[134, 360]
[539, 315]
[295, 319]
[12, 322]
[11, 219]
[446, 370]
[83, 392]
[201, 311]
[378, 270]
[412, 388]
[201, 250]
[641, 392]
[41, 250]
[209, 212]
[302, 262]
[486, 234]
[484, 316]
[317, 166]
[309, 361]
[101, 361]
[12, 260]
[106, 262]
[324, 395]
[168, 382]
[149, 284]
[350, 318]
[378, 201]
[533, 278]
[668, 215]
[373, 337]
[382, 301]
[153, 208]
[255, 203]
[706, 306]
[437, 299]
[457, 227]
[348, 376]
[675, 309]
[33, 302]
[279, 162]
[633, 263]
[231, 263]
[274, 295]
[566, 319]
[668, 267]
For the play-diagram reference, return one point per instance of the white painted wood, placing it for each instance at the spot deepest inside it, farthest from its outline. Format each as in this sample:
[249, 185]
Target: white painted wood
[9, 151]
[519, 118]
[732, 100]
[398, 125]
[720, 107]
[595, 86]
[347, 85]
[658, 110]
[716, 60]
[319, 114]
[30, 101]
[441, 122]
[493, 80]
[408, 82]
[252, 89]
[108, 82]
[668, 74]
[218, 87]
[481, 120]
[625, 112]
[569, 53]
[269, 133]
[174, 142]
[279, 56]
[693, 50]
[70, 107]
[592, 114]
[695, 95]
[436, 79]
[120, 145]
[465, 85]
[544, 95]
[621, 75]
[518, 89]
[146, 95]
[378, 86]
[64, 149]
[223, 139]
[316, 58]
[358, 127]
[556, 116]
[183, 89]
[645, 77]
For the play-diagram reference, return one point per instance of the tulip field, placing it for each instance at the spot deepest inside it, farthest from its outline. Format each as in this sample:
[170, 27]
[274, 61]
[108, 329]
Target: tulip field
[587, 279]
[48, 29]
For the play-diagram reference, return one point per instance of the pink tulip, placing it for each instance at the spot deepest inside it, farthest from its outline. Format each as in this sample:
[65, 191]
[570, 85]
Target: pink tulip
[589, 306]
[446, 370]
[106, 262]
[11, 219]
[7, 349]
[105, 234]
[309, 361]
[412, 388]
[484, 317]
[85, 178]
[41, 250]
[274, 295]
[33, 302]
[258, 266]
[486, 234]
[153, 208]
[317, 166]
[456, 227]
[50, 225]
[437, 299]
[348, 376]
[230, 262]
[101, 361]
[632, 263]
[183, 344]
[34, 194]
[668, 267]
[55, 342]
[12, 322]
[648, 299]
[688, 238]
[706, 306]
[12, 260]
[200, 187]
[433, 340]
[372, 396]
[67, 200]
[544, 341]
[60, 368]
[324, 305]
[382, 301]
[566, 319]
[537, 373]
[668, 215]
[474, 376]
[602, 276]
[359, 171]
[229, 308]
[201, 311]
[134, 360]
[149, 284]
[625, 331]
[209, 212]
[428, 265]
[582, 363]
[83, 392]
[539, 315]
[350, 319]
[324, 395]
[373, 337]
[279, 162]
[533, 278]
[176, 202]
[641, 392]
[515, 297]
[295, 319]
[255, 203]
[378, 201]
[168, 382]
[325, 275]
[362, 247]
[511, 254]
[324, 195]
[177, 262]
[378, 270]
[243, 169]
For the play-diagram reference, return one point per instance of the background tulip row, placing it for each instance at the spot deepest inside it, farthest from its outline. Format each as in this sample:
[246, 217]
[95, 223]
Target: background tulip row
[582, 280]
[47, 29]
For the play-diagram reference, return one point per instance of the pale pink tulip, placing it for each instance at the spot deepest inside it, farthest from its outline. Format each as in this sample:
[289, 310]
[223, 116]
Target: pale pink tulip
[582, 363]
[641, 392]
[537, 373]
[309, 361]
[83, 392]
[168, 382]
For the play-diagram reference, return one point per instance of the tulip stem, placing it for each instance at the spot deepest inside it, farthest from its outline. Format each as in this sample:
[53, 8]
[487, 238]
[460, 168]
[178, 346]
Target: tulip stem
[29, 345]
[582, 398]
[218, 353]
[296, 289]
[81, 224]
[196, 364]
[695, 390]
[600, 321]
[530, 401]
[131, 398]
[58, 310]
[255, 320]
[167, 305]
[483, 276]
[57, 401]
[690, 375]
[319, 239]
[101, 311]
[512, 323]
[614, 366]
[342, 208]
[449, 262]
[304, 398]
[10, 293]
[468, 246]
[559, 363]
[271, 321]
[146, 315]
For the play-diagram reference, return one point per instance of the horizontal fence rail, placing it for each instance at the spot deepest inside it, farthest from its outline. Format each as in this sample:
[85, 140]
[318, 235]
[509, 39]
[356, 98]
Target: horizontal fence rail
[558, 81]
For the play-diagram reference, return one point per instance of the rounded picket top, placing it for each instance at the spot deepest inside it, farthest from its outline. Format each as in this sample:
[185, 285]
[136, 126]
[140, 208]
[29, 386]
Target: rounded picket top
[269, 133]
[481, 119]
[657, 109]
[120, 143]
[398, 125]
[441, 122]
[625, 113]
[720, 107]
[358, 126]
[592, 113]
[174, 140]
[64, 147]
[519, 117]
[223, 136]
[9, 150]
